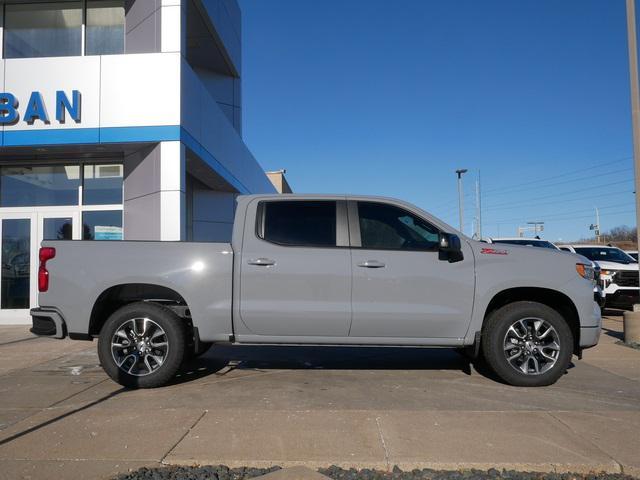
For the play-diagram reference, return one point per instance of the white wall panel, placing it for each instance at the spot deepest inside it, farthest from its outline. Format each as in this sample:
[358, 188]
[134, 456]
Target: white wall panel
[46, 75]
[140, 90]
[172, 166]
[170, 30]
[173, 217]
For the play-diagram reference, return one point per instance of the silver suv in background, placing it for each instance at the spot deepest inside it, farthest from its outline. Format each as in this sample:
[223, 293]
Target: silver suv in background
[618, 273]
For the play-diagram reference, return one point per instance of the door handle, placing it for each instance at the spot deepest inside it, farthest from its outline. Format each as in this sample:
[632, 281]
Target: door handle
[372, 264]
[262, 262]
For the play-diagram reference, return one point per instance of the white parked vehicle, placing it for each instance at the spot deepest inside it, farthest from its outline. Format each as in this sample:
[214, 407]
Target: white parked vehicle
[618, 273]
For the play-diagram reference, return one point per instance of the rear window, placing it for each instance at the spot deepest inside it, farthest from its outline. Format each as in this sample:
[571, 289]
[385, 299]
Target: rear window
[298, 223]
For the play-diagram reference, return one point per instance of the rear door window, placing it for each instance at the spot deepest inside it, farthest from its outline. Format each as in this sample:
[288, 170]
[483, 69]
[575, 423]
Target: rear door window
[298, 223]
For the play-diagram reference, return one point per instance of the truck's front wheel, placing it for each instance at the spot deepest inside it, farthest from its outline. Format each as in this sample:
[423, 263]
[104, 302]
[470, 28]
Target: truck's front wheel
[527, 344]
[141, 345]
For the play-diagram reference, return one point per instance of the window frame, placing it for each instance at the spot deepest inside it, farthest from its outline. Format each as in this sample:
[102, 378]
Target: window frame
[355, 234]
[342, 229]
[78, 207]
[83, 30]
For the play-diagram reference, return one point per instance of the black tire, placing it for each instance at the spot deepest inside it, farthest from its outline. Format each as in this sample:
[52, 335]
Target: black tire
[494, 339]
[174, 337]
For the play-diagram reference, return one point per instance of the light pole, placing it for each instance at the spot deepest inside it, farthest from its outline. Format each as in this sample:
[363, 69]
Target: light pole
[596, 226]
[459, 172]
[632, 319]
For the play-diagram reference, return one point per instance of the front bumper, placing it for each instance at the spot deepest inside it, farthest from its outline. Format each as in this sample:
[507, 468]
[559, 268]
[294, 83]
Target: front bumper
[590, 335]
[47, 322]
[623, 298]
[599, 296]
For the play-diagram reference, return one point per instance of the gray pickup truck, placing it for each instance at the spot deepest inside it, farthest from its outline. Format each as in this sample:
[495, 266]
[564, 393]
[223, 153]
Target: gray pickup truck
[323, 270]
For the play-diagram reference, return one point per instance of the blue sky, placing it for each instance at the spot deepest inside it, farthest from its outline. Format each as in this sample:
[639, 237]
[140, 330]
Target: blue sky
[390, 97]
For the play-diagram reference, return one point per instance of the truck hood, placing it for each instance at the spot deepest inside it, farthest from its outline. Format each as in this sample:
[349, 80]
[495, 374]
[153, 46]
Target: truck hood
[617, 266]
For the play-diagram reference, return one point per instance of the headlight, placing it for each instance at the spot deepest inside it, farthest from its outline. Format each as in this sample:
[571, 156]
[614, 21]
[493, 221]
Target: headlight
[586, 271]
[607, 273]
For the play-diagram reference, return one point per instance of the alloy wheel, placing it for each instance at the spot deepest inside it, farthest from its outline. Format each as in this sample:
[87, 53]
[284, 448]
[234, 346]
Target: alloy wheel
[139, 346]
[531, 346]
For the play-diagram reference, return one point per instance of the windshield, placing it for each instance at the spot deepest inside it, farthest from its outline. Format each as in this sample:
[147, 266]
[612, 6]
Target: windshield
[529, 242]
[605, 254]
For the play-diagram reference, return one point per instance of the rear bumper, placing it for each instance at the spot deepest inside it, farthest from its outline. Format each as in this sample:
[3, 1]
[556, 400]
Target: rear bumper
[47, 322]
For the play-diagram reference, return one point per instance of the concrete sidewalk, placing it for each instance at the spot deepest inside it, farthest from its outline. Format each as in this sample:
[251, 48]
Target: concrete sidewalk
[60, 417]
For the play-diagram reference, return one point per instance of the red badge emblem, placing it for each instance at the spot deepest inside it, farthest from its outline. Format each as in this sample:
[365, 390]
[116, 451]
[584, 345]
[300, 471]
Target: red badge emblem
[493, 251]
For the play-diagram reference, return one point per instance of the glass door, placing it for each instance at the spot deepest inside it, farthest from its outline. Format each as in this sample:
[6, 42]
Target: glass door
[20, 237]
[58, 226]
[18, 240]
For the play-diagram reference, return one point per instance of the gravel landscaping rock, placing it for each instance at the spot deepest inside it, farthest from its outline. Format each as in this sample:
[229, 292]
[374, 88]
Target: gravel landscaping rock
[221, 472]
[630, 344]
[209, 472]
[337, 473]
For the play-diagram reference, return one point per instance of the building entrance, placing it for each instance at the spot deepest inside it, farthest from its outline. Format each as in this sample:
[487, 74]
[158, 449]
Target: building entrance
[21, 234]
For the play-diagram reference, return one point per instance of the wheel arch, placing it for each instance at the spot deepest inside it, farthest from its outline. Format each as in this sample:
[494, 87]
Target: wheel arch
[549, 297]
[116, 296]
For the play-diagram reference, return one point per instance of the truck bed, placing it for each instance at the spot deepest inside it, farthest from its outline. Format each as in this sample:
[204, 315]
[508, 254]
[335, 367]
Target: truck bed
[83, 272]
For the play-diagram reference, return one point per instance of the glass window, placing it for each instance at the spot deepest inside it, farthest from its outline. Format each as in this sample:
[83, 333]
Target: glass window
[606, 254]
[300, 223]
[58, 228]
[102, 184]
[43, 185]
[529, 242]
[52, 29]
[391, 228]
[16, 262]
[102, 225]
[105, 27]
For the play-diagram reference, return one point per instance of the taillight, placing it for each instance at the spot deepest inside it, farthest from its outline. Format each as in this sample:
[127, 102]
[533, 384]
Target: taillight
[46, 253]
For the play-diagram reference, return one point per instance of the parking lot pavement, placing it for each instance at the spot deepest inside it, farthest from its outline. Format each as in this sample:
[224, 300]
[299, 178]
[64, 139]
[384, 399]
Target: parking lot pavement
[61, 417]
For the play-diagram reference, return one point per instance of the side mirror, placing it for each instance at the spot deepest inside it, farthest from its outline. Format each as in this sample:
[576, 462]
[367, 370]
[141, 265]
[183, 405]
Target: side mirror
[450, 248]
[450, 243]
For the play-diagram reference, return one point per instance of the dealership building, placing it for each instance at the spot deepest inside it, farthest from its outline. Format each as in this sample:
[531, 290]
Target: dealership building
[120, 119]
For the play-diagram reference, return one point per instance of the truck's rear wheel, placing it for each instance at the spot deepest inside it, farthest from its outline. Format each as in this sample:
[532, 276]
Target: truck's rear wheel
[527, 344]
[142, 345]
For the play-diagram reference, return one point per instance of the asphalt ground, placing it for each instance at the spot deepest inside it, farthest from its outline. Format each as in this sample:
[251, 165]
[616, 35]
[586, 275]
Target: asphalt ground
[361, 408]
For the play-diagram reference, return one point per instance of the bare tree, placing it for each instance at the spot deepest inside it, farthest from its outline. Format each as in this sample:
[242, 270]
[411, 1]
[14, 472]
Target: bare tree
[622, 233]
